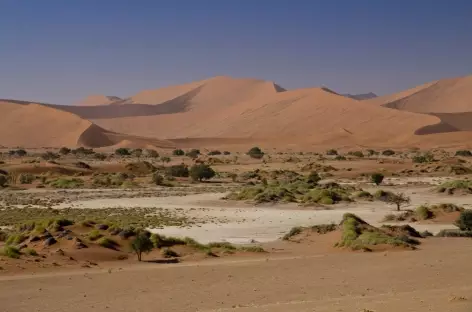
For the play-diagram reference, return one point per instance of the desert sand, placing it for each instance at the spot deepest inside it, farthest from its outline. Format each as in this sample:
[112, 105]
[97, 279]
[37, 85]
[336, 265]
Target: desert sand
[98, 99]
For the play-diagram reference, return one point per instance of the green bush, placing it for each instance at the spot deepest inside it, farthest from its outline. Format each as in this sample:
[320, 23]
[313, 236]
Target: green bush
[313, 178]
[423, 212]
[94, 235]
[157, 178]
[356, 154]
[30, 252]
[255, 152]
[64, 183]
[454, 233]
[201, 172]
[226, 153]
[64, 151]
[107, 243]
[377, 178]
[339, 157]
[426, 158]
[15, 239]
[293, 232]
[169, 253]
[26, 178]
[465, 220]
[388, 152]
[3, 180]
[10, 252]
[193, 153]
[152, 153]
[178, 171]
[213, 153]
[178, 152]
[122, 151]
[465, 153]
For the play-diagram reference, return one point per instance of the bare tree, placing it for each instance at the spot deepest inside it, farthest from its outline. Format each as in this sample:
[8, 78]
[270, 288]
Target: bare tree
[398, 199]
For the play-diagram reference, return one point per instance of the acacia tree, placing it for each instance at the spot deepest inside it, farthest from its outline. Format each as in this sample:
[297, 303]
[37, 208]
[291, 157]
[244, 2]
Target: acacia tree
[141, 243]
[398, 199]
[377, 178]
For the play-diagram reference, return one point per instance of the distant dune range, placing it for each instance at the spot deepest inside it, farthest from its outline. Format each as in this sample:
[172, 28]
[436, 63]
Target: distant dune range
[224, 111]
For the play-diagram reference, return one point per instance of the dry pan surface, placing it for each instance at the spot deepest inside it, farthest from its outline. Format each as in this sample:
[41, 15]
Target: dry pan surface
[432, 279]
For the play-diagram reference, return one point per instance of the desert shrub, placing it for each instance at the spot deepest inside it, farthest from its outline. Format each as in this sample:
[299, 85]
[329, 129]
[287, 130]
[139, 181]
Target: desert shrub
[332, 152]
[160, 241]
[377, 178]
[100, 156]
[425, 158]
[454, 233]
[215, 152]
[107, 243]
[423, 213]
[193, 153]
[94, 235]
[15, 239]
[426, 233]
[178, 152]
[64, 151]
[388, 152]
[157, 178]
[30, 252]
[138, 152]
[255, 152]
[371, 152]
[26, 178]
[363, 195]
[10, 252]
[3, 180]
[293, 232]
[49, 156]
[82, 151]
[152, 153]
[465, 153]
[201, 172]
[177, 171]
[465, 220]
[165, 159]
[313, 178]
[356, 154]
[141, 244]
[82, 165]
[64, 183]
[169, 253]
[226, 153]
[389, 217]
[122, 151]
[339, 157]
[397, 199]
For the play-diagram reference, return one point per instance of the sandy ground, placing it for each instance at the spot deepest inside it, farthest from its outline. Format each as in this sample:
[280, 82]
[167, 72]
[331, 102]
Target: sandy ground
[431, 279]
[237, 222]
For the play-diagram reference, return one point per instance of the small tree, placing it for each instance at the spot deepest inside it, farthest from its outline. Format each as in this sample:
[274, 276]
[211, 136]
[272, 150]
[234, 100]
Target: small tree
[64, 151]
[177, 171]
[178, 152]
[465, 220]
[141, 243]
[256, 152]
[200, 172]
[377, 178]
[398, 199]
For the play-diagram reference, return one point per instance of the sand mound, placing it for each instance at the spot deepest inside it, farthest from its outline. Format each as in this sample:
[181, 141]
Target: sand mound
[98, 99]
[36, 126]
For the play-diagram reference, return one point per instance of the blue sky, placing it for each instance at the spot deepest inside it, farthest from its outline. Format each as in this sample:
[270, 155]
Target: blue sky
[61, 51]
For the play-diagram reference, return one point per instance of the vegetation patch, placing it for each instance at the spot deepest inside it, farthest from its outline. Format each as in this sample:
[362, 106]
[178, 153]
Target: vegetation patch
[10, 252]
[456, 187]
[64, 183]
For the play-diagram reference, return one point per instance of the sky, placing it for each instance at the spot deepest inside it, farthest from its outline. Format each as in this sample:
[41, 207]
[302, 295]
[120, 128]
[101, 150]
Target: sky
[58, 51]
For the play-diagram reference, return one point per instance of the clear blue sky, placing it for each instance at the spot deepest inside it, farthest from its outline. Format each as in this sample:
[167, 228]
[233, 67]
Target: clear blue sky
[62, 50]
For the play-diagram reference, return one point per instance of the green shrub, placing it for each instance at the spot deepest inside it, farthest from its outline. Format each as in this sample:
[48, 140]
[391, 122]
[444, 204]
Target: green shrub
[193, 153]
[423, 212]
[454, 233]
[30, 252]
[464, 153]
[64, 183]
[26, 178]
[356, 154]
[199, 172]
[465, 220]
[10, 252]
[15, 239]
[178, 171]
[94, 235]
[388, 152]
[122, 151]
[371, 152]
[213, 153]
[377, 178]
[64, 151]
[255, 152]
[152, 153]
[107, 243]
[313, 178]
[339, 157]
[226, 153]
[3, 180]
[178, 152]
[426, 158]
[169, 253]
[157, 178]
[293, 232]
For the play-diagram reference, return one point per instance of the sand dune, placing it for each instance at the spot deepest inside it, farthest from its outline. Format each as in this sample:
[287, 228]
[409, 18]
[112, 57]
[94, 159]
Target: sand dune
[443, 96]
[98, 99]
[306, 117]
[36, 126]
